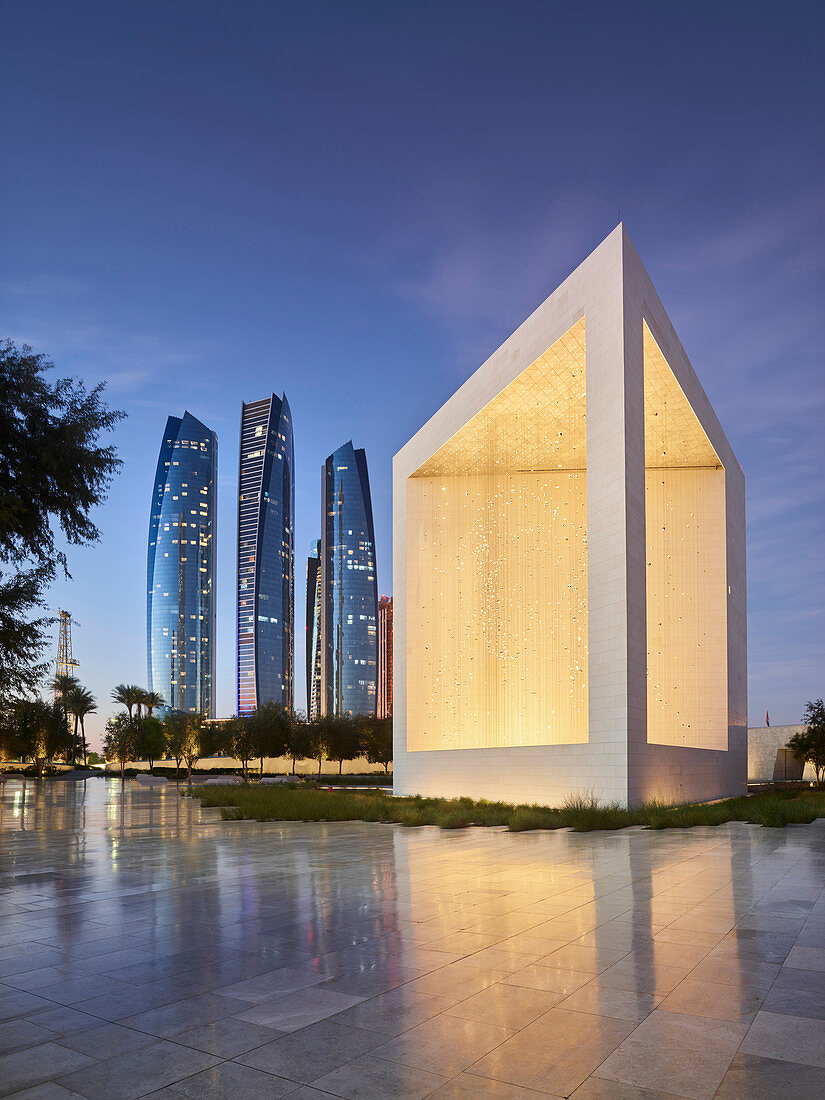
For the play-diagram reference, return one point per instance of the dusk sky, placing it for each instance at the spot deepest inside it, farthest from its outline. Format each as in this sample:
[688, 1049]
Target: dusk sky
[357, 203]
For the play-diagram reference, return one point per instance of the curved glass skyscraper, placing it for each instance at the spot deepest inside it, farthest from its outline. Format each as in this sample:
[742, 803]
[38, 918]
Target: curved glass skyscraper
[266, 546]
[349, 591]
[180, 606]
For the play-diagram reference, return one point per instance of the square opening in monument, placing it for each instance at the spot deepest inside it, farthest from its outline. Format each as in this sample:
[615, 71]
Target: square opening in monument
[687, 697]
[496, 640]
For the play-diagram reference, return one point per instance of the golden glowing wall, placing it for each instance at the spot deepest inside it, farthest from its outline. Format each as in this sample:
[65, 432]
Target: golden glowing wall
[497, 569]
[687, 700]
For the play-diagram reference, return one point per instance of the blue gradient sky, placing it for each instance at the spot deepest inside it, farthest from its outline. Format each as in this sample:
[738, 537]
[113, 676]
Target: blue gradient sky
[356, 203]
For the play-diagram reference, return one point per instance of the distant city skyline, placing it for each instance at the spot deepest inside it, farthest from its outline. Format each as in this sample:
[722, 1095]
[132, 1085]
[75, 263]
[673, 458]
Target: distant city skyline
[211, 204]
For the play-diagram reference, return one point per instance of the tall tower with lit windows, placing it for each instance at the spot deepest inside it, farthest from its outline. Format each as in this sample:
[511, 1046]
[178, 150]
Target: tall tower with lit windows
[313, 631]
[349, 591]
[266, 552]
[180, 604]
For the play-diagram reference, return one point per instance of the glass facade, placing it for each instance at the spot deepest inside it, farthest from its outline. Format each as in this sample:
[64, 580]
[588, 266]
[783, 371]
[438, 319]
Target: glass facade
[313, 630]
[180, 607]
[266, 553]
[349, 593]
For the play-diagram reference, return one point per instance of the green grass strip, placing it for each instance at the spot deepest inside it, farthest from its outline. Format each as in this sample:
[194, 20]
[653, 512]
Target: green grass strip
[583, 814]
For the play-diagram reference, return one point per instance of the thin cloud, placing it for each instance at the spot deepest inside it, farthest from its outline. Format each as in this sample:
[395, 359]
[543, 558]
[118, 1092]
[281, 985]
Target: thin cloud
[46, 286]
[759, 235]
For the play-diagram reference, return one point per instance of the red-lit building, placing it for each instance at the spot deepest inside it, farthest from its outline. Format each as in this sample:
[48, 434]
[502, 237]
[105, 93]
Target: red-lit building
[384, 695]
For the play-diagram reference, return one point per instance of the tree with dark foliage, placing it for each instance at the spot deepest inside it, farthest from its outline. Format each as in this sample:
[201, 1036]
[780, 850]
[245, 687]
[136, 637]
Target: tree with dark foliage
[342, 739]
[809, 745]
[269, 727]
[151, 740]
[40, 731]
[120, 742]
[52, 474]
[378, 742]
[298, 739]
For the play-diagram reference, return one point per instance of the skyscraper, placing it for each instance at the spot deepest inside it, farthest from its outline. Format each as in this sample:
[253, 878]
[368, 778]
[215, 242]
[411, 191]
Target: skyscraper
[180, 605]
[383, 706]
[266, 544]
[349, 593]
[313, 630]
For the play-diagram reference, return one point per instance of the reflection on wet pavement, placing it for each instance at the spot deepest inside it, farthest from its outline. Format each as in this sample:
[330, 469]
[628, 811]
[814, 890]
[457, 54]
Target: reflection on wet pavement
[149, 948]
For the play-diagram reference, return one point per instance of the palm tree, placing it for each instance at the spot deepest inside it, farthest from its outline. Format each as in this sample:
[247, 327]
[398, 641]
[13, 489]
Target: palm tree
[152, 700]
[64, 685]
[143, 701]
[130, 696]
[81, 702]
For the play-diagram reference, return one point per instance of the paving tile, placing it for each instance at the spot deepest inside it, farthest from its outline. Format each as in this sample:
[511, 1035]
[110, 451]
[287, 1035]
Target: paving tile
[601, 1000]
[65, 1021]
[668, 1051]
[506, 959]
[788, 1038]
[811, 981]
[445, 1045]
[370, 983]
[597, 1088]
[17, 1003]
[465, 943]
[806, 958]
[549, 978]
[172, 1018]
[265, 986]
[33, 1065]
[231, 1079]
[752, 1078]
[757, 944]
[137, 1073]
[509, 1006]
[308, 1054]
[306, 1092]
[17, 1034]
[293, 1011]
[468, 1086]
[393, 1012]
[555, 1053]
[47, 1091]
[721, 970]
[133, 1000]
[226, 1038]
[456, 981]
[369, 1078]
[795, 1002]
[106, 1041]
[640, 975]
[718, 1002]
[584, 958]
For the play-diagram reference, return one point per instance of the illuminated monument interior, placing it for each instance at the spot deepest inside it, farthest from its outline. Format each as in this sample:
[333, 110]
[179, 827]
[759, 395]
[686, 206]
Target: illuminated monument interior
[569, 530]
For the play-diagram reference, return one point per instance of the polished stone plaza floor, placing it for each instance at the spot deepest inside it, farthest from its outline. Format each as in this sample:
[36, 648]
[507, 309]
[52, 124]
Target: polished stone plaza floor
[149, 948]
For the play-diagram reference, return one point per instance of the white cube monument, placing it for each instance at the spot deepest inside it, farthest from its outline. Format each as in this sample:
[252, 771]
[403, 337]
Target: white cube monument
[569, 564]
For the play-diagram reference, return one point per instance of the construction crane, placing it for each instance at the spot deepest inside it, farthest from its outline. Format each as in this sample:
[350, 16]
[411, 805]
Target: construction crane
[66, 663]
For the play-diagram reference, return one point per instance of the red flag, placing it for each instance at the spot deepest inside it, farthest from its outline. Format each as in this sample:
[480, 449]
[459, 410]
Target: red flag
[767, 719]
